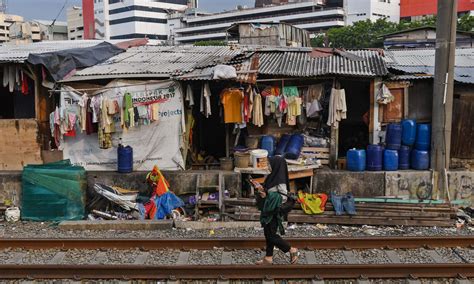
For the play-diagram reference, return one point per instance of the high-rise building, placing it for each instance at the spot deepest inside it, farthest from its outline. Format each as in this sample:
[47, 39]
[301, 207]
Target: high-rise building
[263, 3]
[128, 19]
[5, 22]
[75, 23]
[315, 16]
[360, 10]
[417, 9]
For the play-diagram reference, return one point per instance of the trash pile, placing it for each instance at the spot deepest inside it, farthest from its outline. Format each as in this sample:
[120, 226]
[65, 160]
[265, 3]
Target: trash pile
[156, 203]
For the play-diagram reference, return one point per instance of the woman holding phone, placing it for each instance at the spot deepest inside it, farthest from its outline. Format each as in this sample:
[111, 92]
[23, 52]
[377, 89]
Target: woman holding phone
[269, 199]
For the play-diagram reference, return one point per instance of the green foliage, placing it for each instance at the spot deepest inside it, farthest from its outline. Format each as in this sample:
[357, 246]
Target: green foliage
[368, 34]
[210, 43]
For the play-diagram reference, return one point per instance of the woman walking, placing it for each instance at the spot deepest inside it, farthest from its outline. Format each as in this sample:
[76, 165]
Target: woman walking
[269, 199]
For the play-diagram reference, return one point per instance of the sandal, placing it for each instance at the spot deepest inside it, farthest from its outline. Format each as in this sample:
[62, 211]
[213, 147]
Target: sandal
[294, 256]
[263, 261]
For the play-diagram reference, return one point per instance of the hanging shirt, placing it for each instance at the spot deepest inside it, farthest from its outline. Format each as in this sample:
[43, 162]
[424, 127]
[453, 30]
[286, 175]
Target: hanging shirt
[206, 100]
[231, 100]
[189, 95]
[257, 110]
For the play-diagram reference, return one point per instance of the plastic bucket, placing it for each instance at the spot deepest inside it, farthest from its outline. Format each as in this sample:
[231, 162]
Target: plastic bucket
[259, 158]
[242, 159]
[227, 164]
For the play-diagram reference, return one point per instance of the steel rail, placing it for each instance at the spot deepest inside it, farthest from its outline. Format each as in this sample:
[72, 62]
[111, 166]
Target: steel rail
[240, 243]
[236, 271]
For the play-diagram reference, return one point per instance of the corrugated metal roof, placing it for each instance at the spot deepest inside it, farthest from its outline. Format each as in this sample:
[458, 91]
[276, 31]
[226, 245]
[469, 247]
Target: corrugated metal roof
[422, 61]
[302, 64]
[19, 53]
[159, 61]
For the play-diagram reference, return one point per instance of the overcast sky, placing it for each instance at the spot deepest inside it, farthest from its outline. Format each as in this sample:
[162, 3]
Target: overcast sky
[49, 9]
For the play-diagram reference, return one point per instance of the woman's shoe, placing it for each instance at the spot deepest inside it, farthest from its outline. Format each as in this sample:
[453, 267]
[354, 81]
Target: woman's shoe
[294, 256]
[264, 261]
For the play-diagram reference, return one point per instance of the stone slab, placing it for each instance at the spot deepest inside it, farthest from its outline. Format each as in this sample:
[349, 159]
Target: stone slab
[361, 184]
[198, 225]
[117, 225]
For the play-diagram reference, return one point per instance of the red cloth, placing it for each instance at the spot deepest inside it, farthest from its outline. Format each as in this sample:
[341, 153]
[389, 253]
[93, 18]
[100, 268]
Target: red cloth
[24, 85]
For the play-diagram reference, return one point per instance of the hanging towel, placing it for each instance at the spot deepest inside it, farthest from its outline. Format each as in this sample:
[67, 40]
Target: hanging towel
[206, 98]
[337, 107]
[11, 78]
[6, 75]
[189, 95]
[257, 110]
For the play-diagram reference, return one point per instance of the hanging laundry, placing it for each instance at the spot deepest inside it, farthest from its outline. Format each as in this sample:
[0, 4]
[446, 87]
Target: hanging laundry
[290, 91]
[24, 84]
[125, 112]
[271, 91]
[91, 127]
[5, 76]
[257, 110]
[83, 105]
[206, 100]
[232, 99]
[189, 95]
[337, 107]
[11, 78]
[313, 95]
[96, 103]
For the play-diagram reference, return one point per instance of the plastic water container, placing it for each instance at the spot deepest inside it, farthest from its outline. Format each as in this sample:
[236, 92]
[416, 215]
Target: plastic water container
[423, 137]
[281, 146]
[404, 157]
[390, 160]
[268, 143]
[393, 138]
[356, 160]
[420, 160]
[374, 157]
[293, 149]
[259, 158]
[124, 159]
[408, 132]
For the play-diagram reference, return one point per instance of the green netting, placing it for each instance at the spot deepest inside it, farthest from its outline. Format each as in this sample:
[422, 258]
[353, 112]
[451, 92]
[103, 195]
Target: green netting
[53, 192]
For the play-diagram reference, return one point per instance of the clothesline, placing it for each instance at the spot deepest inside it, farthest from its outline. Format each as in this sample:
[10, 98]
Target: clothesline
[106, 88]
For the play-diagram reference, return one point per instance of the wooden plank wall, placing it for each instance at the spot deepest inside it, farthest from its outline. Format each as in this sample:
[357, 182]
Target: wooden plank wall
[462, 135]
[19, 144]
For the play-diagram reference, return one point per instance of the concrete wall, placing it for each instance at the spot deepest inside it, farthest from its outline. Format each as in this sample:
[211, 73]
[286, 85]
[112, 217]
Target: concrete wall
[10, 187]
[180, 182]
[362, 184]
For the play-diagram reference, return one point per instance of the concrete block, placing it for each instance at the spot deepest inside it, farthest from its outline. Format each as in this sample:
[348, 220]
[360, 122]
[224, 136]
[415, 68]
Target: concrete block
[362, 184]
[198, 225]
[461, 186]
[409, 184]
[117, 225]
[10, 187]
[181, 182]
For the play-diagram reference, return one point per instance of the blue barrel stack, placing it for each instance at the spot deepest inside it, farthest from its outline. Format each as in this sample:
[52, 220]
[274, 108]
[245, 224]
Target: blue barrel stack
[393, 138]
[420, 159]
[390, 160]
[423, 137]
[404, 157]
[374, 157]
[356, 160]
[268, 143]
[124, 159]
[408, 132]
[281, 146]
[293, 149]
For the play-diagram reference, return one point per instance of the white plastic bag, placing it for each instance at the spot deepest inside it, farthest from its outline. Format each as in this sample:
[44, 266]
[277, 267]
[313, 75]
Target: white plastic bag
[222, 72]
[384, 96]
[12, 214]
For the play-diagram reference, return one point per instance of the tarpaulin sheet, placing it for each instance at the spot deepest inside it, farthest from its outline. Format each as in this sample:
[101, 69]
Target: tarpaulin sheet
[53, 192]
[64, 62]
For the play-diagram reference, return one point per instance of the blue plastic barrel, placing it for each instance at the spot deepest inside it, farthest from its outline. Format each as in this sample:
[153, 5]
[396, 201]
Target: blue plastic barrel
[268, 143]
[390, 160]
[408, 132]
[281, 146]
[374, 157]
[124, 159]
[393, 139]
[420, 160]
[404, 157]
[423, 137]
[356, 160]
[293, 149]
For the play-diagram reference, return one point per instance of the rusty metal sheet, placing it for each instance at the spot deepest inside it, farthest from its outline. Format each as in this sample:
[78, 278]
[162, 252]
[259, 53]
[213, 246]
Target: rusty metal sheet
[393, 112]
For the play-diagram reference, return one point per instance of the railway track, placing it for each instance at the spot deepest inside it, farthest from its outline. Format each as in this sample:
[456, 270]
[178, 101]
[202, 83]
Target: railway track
[327, 258]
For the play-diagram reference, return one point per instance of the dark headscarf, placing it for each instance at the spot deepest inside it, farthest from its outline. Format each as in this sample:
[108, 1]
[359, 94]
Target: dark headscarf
[279, 173]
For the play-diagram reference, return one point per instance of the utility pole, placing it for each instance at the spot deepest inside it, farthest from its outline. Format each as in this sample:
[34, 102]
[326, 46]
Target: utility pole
[443, 91]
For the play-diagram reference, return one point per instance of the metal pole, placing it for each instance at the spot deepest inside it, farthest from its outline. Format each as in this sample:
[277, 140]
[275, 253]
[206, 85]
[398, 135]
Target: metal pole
[443, 90]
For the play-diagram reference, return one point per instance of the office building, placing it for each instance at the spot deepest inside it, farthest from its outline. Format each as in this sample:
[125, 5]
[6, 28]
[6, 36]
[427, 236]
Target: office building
[75, 23]
[360, 10]
[5, 22]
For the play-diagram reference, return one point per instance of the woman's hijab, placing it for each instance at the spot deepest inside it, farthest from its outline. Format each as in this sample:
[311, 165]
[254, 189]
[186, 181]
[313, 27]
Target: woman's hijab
[278, 174]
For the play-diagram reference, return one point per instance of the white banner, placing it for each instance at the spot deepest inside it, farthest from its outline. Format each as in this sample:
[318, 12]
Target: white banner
[154, 144]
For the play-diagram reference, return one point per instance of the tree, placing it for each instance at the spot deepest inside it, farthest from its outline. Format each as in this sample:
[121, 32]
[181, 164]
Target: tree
[210, 43]
[368, 34]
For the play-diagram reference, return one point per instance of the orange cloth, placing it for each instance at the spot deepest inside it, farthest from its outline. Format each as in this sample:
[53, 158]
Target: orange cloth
[155, 178]
[232, 100]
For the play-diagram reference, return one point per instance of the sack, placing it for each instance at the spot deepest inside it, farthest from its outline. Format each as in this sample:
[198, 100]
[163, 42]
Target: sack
[287, 206]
